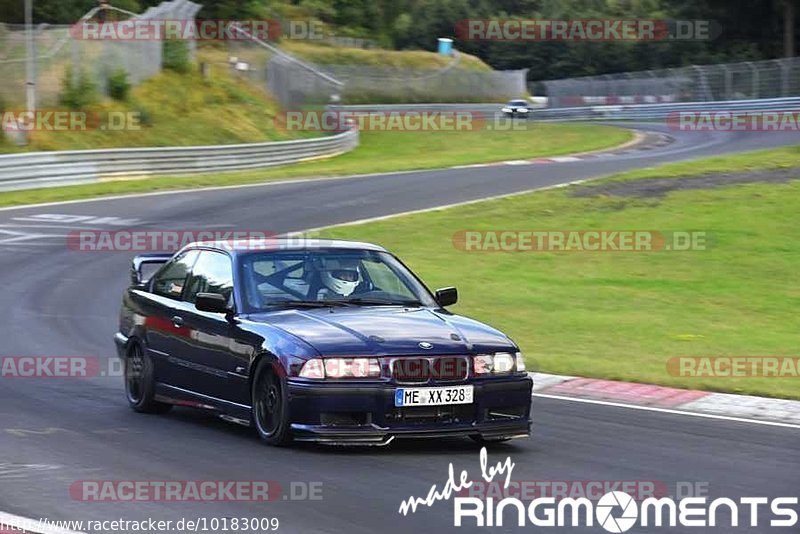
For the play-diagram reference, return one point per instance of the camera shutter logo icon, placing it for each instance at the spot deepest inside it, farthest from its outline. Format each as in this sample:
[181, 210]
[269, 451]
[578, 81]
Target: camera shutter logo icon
[606, 509]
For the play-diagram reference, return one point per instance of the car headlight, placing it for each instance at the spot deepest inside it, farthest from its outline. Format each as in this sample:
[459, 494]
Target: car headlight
[319, 369]
[503, 363]
[506, 110]
[522, 110]
[498, 364]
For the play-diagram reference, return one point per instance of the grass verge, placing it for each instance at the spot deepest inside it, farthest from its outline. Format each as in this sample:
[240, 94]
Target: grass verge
[623, 315]
[378, 152]
[323, 54]
[176, 110]
[778, 158]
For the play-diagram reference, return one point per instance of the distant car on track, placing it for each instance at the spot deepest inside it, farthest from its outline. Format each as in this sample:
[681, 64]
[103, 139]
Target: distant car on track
[516, 109]
[336, 342]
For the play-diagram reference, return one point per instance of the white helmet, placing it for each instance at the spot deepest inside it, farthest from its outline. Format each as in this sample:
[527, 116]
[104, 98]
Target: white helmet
[341, 276]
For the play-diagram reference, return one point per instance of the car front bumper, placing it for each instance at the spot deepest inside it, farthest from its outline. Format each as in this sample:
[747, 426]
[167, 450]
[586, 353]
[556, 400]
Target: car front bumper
[365, 414]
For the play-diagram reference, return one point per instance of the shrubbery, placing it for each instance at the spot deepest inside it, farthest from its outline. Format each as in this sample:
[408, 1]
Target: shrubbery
[119, 87]
[176, 56]
[78, 91]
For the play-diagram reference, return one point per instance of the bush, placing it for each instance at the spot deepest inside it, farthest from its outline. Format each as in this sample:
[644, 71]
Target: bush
[119, 87]
[79, 91]
[176, 56]
[145, 115]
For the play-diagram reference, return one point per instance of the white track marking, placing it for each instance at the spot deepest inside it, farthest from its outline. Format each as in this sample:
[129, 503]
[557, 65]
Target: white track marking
[10, 470]
[31, 525]
[668, 411]
[49, 218]
[16, 238]
[443, 206]
[215, 188]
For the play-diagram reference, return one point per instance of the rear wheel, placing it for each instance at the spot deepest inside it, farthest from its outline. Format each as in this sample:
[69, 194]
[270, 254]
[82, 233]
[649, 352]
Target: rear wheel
[140, 382]
[270, 406]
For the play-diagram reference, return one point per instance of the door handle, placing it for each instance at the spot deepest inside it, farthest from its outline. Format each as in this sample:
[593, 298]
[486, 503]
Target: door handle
[177, 321]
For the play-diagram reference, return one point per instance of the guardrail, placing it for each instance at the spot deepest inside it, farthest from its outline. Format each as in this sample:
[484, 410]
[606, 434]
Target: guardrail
[49, 169]
[604, 112]
[663, 111]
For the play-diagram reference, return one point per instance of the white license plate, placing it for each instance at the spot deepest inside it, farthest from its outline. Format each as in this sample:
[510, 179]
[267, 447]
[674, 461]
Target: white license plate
[433, 396]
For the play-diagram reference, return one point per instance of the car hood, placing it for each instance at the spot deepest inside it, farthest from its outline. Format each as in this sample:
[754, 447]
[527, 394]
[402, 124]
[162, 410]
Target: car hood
[386, 331]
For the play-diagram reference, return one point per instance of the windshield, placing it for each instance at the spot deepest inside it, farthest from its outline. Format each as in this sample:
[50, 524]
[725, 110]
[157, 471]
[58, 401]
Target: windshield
[329, 277]
[517, 103]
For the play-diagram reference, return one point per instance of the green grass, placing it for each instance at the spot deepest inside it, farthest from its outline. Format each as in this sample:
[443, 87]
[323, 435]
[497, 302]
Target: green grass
[322, 54]
[180, 110]
[624, 315]
[378, 152]
[778, 158]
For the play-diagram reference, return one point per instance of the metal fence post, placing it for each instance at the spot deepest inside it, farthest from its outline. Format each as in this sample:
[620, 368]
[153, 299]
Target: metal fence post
[784, 76]
[754, 79]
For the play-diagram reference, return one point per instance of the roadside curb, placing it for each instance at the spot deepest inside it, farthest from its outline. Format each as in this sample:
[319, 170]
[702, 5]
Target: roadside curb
[662, 397]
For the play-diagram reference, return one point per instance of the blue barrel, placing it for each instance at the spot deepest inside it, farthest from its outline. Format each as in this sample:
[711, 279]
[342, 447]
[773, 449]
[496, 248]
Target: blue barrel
[445, 46]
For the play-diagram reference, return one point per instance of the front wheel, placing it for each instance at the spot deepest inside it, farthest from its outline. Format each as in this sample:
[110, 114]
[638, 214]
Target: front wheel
[270, 406]
[140, 382]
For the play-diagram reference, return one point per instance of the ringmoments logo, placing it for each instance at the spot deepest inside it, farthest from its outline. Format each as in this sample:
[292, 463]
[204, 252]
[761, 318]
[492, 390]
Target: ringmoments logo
[615, 511]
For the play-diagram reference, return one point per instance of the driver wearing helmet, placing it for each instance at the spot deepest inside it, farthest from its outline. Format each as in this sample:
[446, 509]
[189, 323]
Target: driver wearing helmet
[340, 277]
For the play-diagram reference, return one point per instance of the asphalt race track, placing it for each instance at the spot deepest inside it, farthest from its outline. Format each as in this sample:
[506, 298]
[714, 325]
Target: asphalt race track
[61, 302]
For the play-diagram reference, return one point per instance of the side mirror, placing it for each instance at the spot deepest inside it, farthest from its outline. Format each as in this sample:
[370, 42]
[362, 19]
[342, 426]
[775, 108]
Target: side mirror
[211, 302]
[446, 296]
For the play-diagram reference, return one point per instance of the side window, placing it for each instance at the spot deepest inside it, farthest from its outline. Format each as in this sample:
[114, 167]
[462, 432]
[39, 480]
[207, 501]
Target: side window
[171, 279]
[212, 273]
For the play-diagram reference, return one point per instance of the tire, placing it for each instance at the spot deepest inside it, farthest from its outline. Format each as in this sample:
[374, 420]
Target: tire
[140, 382]
[270, 410]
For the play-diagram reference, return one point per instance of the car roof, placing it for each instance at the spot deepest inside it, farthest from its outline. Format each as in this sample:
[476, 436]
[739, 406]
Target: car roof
[259, 244]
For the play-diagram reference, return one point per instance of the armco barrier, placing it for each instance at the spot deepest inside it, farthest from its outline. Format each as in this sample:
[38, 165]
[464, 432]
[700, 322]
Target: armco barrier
[645, 112]
[49, 169]
[606, 112]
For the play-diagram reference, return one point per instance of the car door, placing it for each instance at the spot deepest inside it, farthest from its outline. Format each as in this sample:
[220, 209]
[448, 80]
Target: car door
[220, 351]
[166, 335]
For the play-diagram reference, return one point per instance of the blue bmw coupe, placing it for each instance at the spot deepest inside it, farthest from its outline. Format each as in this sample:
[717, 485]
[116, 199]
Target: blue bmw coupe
[329, 341]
